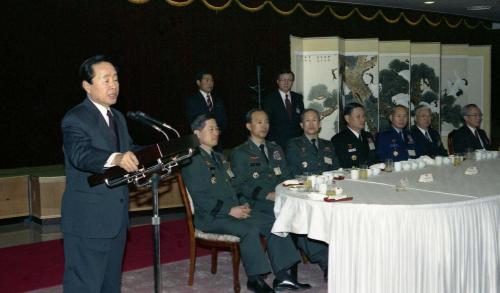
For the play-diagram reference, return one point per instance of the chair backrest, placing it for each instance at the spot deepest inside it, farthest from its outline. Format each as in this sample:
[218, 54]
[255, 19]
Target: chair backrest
[451, 138]
[188, 203]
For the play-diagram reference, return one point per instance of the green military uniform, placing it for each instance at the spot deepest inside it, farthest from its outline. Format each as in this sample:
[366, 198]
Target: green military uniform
[255, 177]
[304, 157]
[209, 184]
[353, 152]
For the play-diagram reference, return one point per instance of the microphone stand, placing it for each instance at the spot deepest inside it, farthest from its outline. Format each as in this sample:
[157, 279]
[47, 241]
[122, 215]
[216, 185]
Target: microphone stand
[155, 222]
[154, 182]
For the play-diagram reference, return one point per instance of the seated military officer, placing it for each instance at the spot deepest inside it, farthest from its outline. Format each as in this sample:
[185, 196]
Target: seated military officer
[259, 166]
[353, 145]
[427, 139]
[396, 142]
[220, 210]
[309, 153]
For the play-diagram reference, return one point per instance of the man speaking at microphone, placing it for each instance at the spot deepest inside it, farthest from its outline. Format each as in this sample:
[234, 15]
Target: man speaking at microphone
[95, 219]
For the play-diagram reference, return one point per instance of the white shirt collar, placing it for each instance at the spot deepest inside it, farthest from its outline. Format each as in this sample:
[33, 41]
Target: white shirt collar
[357, 134]
[283, 96]
[423, 130]
[204, 94]
[472, 129]
[102, 109]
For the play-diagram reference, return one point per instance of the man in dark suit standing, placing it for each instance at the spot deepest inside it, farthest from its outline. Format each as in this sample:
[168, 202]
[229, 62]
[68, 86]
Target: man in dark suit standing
[428, 139]
[204, 102]
[470, 135]
[284, 108]
[95, 219]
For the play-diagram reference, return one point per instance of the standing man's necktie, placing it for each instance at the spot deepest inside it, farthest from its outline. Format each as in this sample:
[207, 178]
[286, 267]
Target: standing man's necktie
[288, 105]
[313, 141]
[113, 129]
[428, 136]
[210, 105]
[360, 137]
[263, 151]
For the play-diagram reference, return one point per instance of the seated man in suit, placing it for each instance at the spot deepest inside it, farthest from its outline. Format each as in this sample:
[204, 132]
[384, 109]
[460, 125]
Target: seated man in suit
[397, 143]
[427, 139]
[470, 136]
[353, 145]
[259, 165]
[203, 102]
[219, 209]
[309, 153]
[284, 107]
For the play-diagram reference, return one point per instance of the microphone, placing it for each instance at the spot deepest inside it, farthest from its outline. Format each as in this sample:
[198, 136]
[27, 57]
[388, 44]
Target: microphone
[135, 116]
[155, 121]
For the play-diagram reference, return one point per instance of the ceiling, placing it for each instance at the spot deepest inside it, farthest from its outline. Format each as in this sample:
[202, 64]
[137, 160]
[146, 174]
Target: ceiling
[455, 7]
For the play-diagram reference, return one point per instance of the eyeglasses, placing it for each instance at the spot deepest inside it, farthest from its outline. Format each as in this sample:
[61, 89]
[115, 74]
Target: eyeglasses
[475, 115]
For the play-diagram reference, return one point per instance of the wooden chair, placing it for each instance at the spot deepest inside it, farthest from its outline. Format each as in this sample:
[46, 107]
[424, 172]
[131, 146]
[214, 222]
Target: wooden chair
[214, 242]
[451, 137]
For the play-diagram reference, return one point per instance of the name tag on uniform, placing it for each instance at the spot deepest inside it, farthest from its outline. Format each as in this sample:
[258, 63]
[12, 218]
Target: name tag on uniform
[328, 160]
[411, 153]
[351, 150]
[230, 173]
[277, 171]
[371, 145]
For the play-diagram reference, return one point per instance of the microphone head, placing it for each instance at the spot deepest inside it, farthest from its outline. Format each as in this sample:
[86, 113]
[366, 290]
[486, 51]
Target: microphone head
[132, 115]
[139, 113]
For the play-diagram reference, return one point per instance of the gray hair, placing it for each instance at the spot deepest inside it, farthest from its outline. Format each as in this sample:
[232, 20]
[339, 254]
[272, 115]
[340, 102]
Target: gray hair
[465, 109]
[420, 108]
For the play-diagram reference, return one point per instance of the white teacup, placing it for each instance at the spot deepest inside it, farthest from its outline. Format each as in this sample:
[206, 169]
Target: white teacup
[397, 166]
[406, 166]
[355, 174]
[438, 160]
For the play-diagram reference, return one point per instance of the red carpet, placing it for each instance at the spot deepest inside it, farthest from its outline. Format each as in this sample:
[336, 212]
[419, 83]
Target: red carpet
[40, 265]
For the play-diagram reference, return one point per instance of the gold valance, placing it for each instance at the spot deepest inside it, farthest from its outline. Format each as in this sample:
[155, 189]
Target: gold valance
[328, 8]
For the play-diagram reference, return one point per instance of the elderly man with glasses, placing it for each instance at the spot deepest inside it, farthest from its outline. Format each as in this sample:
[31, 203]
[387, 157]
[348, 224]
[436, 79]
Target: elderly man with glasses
[470, 136]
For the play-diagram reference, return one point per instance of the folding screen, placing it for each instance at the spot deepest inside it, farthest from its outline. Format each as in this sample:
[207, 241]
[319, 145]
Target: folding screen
[331, 72]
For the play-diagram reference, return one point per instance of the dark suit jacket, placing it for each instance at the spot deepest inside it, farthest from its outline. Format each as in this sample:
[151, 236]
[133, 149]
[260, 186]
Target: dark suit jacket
[426, 147]
[351, 152]
[281, 128]
[197, 105]
[100, 211]
[464, 139]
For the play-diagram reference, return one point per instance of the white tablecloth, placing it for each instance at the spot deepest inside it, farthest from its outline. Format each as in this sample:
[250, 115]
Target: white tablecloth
[418, 240]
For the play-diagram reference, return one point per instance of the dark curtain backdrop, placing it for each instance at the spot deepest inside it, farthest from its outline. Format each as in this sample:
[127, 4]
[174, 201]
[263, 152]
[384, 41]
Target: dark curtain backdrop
[158, 49]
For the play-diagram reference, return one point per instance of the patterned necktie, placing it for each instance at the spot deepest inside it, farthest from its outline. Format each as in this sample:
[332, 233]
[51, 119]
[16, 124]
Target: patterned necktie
[476, 133]
[113, 130]
[428, 136]
[210, 105]
[313, 141]
[263, 151]
[288, 105]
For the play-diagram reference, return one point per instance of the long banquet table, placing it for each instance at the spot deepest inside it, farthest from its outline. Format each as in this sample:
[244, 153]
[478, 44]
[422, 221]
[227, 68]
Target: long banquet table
[442, 236]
